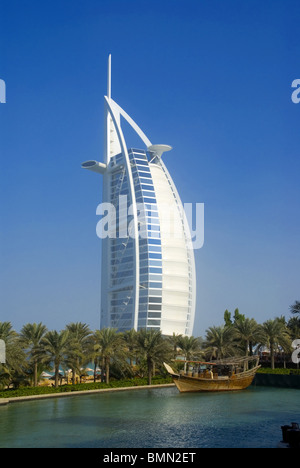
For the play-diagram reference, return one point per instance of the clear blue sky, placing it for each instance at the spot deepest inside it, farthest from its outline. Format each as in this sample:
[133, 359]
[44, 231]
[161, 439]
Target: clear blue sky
[211, 78]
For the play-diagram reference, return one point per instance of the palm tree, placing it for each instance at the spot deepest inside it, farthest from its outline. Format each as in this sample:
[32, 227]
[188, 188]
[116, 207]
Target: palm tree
[236, 317]
[247, 332]
[190, 346]
[130, 340]
[30, 337]
[80, 337]
[227, 318]
[153, 348]
[174, 341]
[275, 334]
[110, 346]
[54, 348]
[10, 337]
[15, 356]
[295, 308]
[294, 327]
[93, 352]
[219, 342]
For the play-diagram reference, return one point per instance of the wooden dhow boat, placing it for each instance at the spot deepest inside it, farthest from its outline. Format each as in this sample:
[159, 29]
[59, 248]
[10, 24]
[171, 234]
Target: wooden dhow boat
[229, 374]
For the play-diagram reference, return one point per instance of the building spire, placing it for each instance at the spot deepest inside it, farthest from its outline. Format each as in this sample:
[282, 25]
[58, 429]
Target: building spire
[109, 77]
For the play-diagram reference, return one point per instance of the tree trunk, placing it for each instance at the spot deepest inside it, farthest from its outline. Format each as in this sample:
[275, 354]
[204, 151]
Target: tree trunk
[272, 357]
[247, 352]
[95, 370]
[35, 374]
[56, 375]
[149, 364]
[102, 370]
[73, 377]
[107, 370]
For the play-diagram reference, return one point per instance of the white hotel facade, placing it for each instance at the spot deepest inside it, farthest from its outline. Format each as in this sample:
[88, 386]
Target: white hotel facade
[148, 275]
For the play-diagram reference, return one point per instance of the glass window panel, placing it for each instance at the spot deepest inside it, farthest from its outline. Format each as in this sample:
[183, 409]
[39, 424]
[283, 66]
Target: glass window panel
[153, 227]
[142, 169]
[147, 187]
[157, 263]
[143, 256]
[144, 175]
[155, 255]
[151, 207]
[155, 292]
[144, 278]
[155, 299]
[153, 322]
[154, 241]
[151, 214]
[153, 234]
[155, 277]
[154, 307]
[155, 270]
[153, 221]
[148, 199]
[143, 292]
[154, 248]
[155, 285]
[144, 179]
[143, 300]
[148, 193]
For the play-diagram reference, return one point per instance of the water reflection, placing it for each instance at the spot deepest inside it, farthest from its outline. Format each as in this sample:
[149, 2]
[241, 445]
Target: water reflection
[152, 419]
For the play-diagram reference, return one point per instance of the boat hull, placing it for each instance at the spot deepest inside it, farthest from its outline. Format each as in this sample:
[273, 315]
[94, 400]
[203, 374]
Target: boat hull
[193, 384]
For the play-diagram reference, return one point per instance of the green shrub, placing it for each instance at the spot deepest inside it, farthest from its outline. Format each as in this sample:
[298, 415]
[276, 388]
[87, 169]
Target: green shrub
[29, 391]
[268, 370]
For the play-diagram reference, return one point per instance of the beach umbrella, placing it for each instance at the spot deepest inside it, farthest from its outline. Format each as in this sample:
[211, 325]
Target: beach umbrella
[61, 376]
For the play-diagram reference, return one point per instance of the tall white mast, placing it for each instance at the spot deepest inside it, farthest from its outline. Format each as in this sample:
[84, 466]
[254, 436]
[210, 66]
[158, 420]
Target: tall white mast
[112, 144]
[109, 77]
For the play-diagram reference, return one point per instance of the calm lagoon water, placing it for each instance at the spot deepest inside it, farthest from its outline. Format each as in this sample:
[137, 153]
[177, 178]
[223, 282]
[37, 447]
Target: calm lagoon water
[156, 418]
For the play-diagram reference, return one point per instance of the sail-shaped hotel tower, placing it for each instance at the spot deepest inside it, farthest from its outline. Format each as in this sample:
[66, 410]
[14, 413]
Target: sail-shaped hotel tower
[148, 267]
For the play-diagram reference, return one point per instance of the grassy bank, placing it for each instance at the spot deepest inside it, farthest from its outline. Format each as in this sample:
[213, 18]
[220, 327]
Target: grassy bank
[268, 370]
[29, 391]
